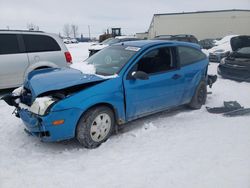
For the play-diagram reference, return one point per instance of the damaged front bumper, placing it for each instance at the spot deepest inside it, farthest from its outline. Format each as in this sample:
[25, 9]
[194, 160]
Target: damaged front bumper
[43, 127]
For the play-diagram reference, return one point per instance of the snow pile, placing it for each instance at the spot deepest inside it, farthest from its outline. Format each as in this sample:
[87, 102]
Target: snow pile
[79, 51]
[84, 67]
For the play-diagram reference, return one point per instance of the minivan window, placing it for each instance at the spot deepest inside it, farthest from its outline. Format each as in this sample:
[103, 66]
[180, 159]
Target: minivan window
[40, 43]
[8, 44]
[188, 55]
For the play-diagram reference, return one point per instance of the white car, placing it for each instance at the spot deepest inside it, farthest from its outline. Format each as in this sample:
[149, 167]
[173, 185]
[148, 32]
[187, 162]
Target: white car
[221, 50]
[99, 46]
[24, 51]
[69, 41]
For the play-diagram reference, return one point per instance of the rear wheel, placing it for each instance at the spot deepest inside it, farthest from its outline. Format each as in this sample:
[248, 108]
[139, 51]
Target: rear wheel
[95, 127]
[199, 97]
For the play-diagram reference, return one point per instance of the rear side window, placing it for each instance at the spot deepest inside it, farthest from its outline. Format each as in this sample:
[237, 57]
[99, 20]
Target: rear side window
[9, 44]
[40, 43]
[188, 55]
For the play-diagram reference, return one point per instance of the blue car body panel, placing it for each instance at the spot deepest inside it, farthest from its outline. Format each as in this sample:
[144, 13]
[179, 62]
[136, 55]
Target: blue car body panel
[37, 125]
[128, 98]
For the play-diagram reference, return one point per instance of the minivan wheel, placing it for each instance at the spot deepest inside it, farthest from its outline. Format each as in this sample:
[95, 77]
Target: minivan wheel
[95, 127]
[199, 97]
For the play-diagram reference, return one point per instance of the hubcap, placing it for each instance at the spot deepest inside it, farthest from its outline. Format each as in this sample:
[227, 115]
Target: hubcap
[100, 127]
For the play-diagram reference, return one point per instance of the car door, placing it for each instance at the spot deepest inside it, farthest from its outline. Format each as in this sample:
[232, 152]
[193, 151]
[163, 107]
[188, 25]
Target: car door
[162, 89]
[13, 61]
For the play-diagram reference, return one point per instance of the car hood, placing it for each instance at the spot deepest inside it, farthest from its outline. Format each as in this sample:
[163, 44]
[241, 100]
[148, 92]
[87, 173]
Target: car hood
[53, 79]
[240, 42]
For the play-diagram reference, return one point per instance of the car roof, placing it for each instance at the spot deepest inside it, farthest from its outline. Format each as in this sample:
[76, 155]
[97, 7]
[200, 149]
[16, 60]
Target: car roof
[149, 43]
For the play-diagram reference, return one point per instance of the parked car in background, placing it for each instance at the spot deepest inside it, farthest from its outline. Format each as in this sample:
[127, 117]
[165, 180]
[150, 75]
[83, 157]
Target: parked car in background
[207, 43]
[99, 46]
[70, 40]
[237, 65]
[221, 49]
[131, 80]
[24, 51]
[180, 37]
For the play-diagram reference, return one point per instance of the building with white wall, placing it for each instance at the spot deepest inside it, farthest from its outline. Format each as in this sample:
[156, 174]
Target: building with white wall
[202, 24]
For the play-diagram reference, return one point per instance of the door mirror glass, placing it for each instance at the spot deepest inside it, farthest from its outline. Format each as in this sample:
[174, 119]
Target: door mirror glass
[140, 75]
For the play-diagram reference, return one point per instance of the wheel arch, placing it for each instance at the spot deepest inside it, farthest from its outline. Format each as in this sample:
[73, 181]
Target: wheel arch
[110, 106]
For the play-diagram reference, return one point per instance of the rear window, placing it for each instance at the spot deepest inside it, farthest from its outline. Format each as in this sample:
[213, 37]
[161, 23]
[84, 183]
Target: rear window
[9, 44]
[188, 55]
[40, 43]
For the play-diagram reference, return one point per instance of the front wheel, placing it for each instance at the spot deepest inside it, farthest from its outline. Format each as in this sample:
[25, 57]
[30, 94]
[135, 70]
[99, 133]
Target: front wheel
[199, 97]
[95, 127]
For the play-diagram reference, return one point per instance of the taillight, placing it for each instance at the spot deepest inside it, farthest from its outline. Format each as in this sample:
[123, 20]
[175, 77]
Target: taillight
[68, 57]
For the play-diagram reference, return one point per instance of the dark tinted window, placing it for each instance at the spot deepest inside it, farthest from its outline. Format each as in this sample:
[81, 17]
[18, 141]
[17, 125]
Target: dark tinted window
[40, 43]
[9, 44]
[194, 40]
[155, 61]
[189, 55]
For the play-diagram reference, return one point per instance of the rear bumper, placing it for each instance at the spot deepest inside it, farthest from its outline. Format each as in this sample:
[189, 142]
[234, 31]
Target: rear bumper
[42, 127]
[234, 73]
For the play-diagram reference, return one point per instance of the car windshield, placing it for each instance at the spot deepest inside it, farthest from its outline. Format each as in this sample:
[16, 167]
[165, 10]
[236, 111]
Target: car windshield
[110, 41]
[110, 60]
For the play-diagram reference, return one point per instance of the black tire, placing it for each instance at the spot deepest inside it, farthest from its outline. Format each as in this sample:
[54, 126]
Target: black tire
[83, 131]
[200, 96]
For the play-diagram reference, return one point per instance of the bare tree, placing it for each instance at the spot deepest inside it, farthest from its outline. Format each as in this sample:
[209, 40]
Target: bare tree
[32, 27]
[74, 29]
[66, 30]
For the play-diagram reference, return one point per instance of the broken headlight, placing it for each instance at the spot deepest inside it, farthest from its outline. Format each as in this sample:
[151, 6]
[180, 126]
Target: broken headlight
[41, 105]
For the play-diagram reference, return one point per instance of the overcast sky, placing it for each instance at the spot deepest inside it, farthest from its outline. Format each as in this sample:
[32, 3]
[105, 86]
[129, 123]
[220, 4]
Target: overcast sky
[131, 15]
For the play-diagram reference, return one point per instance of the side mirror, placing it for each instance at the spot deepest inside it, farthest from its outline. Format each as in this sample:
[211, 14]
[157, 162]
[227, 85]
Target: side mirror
[140, 75]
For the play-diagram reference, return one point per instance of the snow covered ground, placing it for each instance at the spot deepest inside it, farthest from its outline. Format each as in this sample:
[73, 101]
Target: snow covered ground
[181, 148]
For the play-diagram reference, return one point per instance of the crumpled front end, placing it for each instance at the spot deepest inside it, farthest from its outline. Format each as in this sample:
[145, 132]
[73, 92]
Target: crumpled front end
[55, 126]
[40, 120]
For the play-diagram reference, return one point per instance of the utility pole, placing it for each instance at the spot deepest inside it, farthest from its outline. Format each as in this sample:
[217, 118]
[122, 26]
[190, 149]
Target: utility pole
[89, 31]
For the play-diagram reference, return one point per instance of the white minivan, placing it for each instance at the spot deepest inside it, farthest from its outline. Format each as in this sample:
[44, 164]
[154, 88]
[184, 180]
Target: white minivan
[24, 51]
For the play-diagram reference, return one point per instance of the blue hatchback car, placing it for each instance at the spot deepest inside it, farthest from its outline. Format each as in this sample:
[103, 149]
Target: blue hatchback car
[132, 80]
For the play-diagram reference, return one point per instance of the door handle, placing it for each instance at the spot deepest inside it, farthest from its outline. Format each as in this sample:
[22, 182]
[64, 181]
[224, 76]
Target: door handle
[176, 76]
